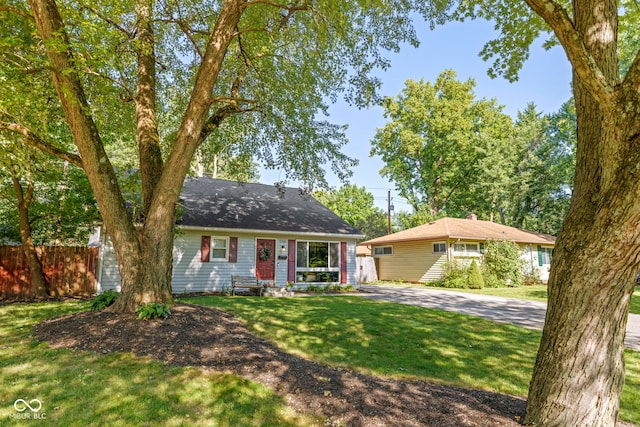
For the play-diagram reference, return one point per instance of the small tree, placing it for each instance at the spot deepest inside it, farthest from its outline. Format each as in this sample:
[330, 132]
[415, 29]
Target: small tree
[475, 279]
[502, 264]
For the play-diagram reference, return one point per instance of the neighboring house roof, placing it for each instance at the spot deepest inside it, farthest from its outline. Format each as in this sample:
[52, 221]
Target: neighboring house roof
[222, 204]
[363, 251]
[464, 229]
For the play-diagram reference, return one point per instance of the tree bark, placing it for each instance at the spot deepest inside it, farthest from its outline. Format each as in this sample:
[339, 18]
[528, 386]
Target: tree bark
[579, 370]
[147, 123]
[29, 249]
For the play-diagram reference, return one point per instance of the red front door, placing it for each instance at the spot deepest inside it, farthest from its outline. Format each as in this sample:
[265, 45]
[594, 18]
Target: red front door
[265, 259]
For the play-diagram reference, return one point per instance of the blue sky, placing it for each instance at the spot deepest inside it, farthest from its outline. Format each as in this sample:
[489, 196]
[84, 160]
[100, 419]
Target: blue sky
[544, 80]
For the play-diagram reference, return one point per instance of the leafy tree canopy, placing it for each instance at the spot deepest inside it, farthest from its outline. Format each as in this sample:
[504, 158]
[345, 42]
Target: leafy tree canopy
[356, 206]
[436, 137]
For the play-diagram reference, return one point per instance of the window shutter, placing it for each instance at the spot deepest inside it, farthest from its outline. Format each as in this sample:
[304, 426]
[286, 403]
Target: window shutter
[205, 248]
[291, 261]
[540, 259]
[482, 248]
[233, 249]
[343, 262]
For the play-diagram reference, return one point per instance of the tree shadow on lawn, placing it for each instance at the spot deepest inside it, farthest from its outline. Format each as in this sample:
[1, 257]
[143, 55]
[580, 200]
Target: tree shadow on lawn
[85, 388]
[215, 340]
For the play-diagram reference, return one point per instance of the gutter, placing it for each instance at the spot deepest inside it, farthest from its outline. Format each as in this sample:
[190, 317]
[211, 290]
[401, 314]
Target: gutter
[262, 231]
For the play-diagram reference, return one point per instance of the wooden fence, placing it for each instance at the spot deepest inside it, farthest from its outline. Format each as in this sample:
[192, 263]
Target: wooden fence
[69, 271]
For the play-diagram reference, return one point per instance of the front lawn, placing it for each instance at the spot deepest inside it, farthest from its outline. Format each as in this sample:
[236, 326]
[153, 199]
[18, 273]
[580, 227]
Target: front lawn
[396, 340]
[84, 388]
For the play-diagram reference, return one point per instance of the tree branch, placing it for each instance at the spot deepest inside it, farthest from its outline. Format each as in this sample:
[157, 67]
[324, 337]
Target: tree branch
[128, 34]
[30, 138]
[214, 121]
[584, 65]
[17, 11]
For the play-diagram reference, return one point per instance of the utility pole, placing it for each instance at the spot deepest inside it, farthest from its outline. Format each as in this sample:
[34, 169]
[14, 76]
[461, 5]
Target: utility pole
[389, 209]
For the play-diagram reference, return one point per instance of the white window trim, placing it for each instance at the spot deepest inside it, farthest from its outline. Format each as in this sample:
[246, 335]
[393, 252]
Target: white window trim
[382, 254]
[439, 252]
[467, 253]
[319, 270]
[226, 249]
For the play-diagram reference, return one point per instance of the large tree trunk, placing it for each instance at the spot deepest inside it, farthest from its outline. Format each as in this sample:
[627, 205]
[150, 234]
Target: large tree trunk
[144, 255]
[579, 370]
[29, 249]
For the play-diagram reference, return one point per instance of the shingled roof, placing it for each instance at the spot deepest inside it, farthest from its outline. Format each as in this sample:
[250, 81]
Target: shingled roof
[464, 229]
[222, 204]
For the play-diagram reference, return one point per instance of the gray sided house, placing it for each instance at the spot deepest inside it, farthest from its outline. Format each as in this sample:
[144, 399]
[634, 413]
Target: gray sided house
[228, 228]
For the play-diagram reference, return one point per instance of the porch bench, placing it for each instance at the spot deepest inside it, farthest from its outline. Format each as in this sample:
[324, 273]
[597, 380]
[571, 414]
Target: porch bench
[245, 282]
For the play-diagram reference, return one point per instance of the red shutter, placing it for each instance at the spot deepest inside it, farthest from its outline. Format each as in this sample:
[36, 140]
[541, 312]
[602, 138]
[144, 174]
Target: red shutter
[291, 262]
[343, 262]
[205, 246]
[233, 249]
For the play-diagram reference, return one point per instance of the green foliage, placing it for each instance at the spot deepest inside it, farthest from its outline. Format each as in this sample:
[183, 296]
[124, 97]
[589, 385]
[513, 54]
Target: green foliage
[356, 206]
[153, 310]
[502, 265]
[628, 34]
[517, 27]
[541, 186]
[438, 143]
[450, 154]
[456, 276]
[475, 280]
[104, 300]
[419, 216]
[61, 208]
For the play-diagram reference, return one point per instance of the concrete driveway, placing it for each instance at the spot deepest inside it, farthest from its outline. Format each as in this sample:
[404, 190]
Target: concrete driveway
[529, 314]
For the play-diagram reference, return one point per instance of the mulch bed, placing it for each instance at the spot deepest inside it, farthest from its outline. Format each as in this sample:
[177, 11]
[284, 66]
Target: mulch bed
[212, 339]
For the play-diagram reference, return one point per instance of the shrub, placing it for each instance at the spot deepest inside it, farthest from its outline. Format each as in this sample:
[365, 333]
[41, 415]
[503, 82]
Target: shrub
[475, 280]
[104, 300]
[454, 277]
[502, 263]
[532, 278]
[153, 310]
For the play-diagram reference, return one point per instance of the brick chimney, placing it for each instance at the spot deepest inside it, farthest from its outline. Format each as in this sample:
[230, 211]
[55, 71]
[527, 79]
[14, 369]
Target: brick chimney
[472, 217]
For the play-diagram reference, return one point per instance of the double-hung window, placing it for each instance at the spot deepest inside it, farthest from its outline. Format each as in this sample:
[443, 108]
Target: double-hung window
[214, 248]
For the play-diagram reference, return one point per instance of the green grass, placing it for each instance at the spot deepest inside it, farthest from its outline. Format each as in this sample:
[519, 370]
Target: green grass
[396, 340]
[85, 388]
[534, 293]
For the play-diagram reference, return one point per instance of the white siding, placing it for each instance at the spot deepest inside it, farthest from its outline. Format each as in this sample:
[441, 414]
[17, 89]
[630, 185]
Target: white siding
[192, 275]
